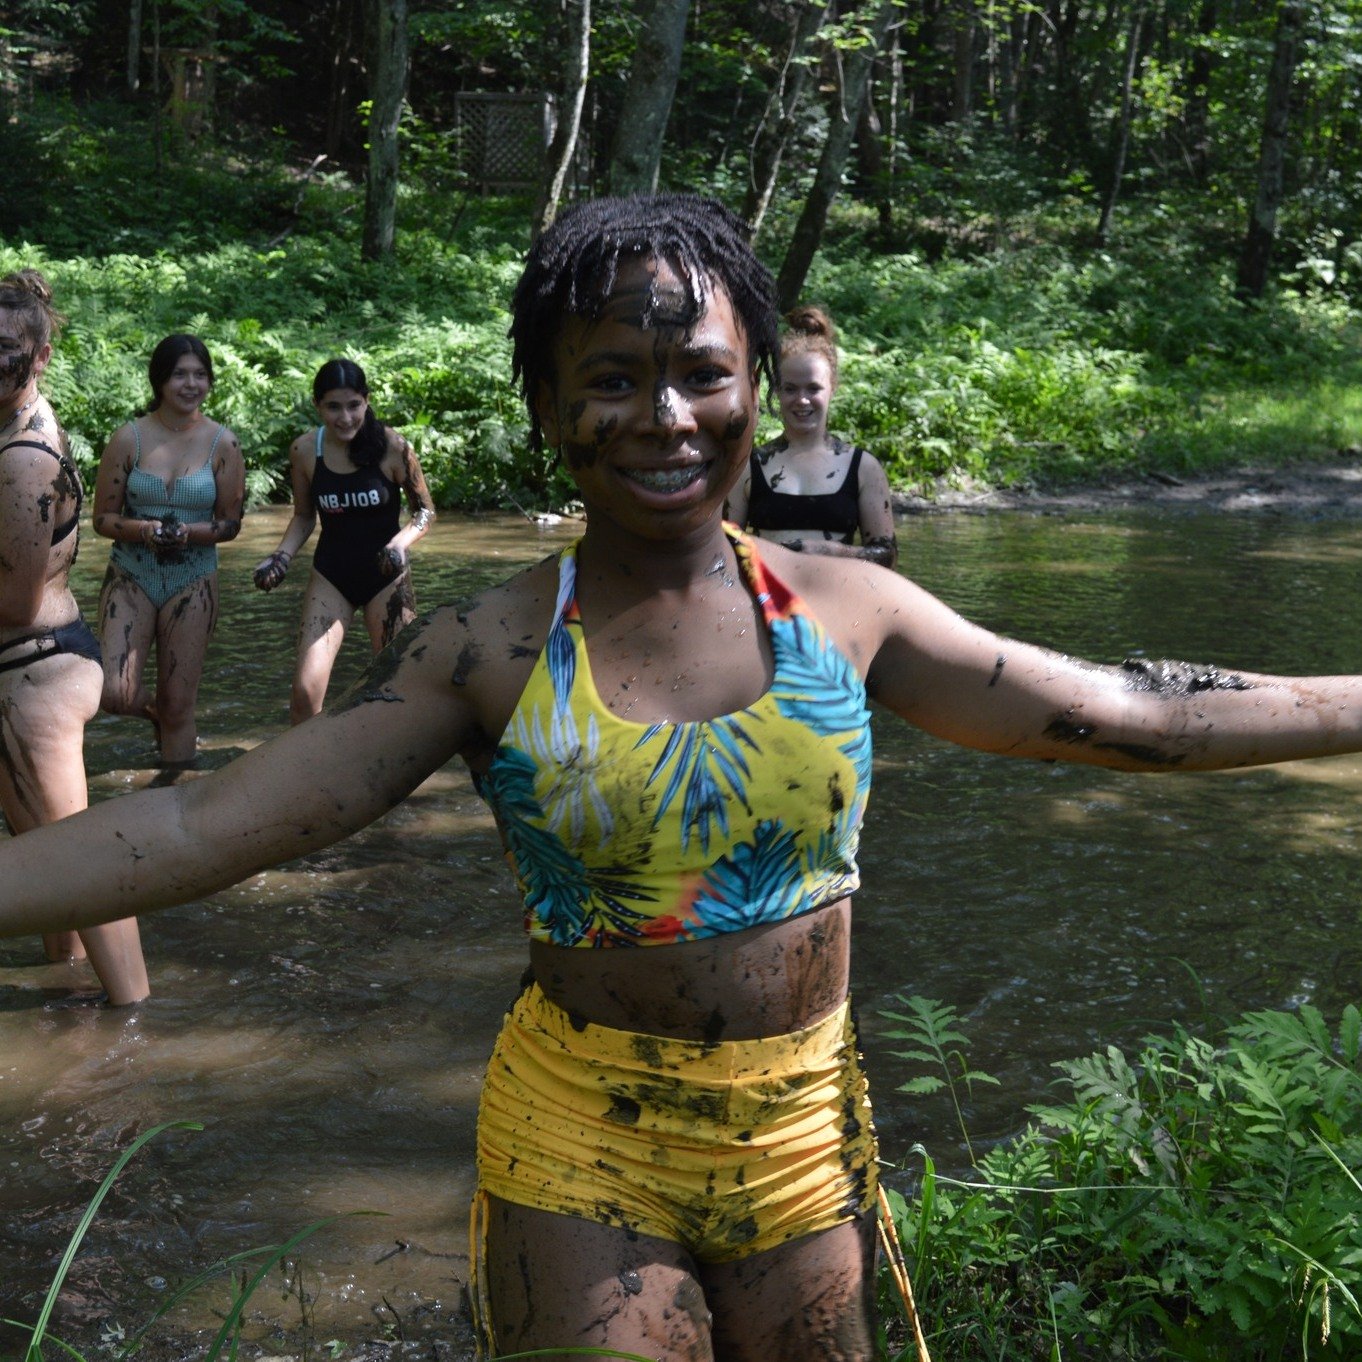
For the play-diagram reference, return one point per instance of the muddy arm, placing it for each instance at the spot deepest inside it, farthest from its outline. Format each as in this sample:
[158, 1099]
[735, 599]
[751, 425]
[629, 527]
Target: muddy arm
[972, 687]
[307, 788]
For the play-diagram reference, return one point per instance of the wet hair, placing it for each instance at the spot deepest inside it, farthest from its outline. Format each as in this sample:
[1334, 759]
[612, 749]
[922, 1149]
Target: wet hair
[28, 294]
[371, 440]
[167, 354]
[809, 331]
[571, 269]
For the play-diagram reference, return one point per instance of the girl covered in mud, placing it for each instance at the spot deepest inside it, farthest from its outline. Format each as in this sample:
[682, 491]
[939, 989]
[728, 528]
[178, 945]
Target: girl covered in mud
[355, 471]
[49, 659]
[808, 489]
[170, 489]
[671, 723]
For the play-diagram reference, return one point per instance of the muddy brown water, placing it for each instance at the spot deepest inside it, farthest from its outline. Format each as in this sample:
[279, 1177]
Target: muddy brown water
[327, 1022]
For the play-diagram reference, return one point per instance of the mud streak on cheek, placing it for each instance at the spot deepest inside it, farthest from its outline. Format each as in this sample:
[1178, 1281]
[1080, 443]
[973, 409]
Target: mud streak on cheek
[738, 424]
[16, 368]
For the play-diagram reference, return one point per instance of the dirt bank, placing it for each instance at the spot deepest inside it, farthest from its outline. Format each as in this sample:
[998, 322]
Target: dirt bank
[1331, 488]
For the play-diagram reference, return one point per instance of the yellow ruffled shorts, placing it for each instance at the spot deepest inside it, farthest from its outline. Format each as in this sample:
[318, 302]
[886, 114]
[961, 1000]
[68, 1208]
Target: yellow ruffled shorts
[728, 1148]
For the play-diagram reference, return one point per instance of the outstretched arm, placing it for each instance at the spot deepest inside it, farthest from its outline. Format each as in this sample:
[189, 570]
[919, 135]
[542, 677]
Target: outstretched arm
[970, 686]
[269, 572]
[965, 684]
[307, 788]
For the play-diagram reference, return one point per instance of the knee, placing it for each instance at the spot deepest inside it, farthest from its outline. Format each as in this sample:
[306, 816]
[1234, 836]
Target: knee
[116, 698]
[174, 709]
[303, 704]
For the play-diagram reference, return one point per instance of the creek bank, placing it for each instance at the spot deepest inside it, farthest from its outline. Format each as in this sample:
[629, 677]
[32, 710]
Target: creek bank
[1326, 488]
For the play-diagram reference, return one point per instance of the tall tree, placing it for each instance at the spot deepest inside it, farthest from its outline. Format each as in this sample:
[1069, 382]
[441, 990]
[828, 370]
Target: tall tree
[842, 120]
[1262, 228]
[389, 62]
[636, 152]
[1122, 123]
[571, 97]
[779, 118]
[134, 45]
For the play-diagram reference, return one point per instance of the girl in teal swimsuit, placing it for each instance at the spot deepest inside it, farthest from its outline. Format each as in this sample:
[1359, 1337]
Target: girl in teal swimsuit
[170, 489]
[49, 661]
[674, 1150]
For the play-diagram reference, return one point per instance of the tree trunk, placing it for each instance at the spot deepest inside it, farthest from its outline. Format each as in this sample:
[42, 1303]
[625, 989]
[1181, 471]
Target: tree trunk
[842, 119]
[1123, 127]
[1197, 119]
[340, 29]
[134, 46]
[773, 135]
[388, 65]
[1262, 227]
[637, 150]
[962, 94]
[571, 97]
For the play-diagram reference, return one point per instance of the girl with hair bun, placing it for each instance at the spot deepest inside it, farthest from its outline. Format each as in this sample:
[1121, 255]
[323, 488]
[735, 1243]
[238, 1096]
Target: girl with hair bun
[171, 488]
[49, 659]
[354, 471]
[809, 490]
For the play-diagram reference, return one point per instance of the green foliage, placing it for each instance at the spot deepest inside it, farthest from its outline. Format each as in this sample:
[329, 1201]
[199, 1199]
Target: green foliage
[984, 341]
[1198, 1201]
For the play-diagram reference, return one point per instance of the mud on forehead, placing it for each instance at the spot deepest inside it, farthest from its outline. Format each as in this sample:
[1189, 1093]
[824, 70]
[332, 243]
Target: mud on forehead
[667, 295]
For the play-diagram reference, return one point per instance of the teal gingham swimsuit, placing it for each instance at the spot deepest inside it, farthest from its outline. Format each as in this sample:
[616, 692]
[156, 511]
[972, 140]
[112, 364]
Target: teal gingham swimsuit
[163, 576]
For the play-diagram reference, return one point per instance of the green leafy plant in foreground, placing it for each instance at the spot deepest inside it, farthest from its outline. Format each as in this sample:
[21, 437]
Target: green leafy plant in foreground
[225, 1343]
[1196, 1201]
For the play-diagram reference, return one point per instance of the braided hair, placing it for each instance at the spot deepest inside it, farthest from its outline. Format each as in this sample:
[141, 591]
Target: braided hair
[572, 267]
[371, 440]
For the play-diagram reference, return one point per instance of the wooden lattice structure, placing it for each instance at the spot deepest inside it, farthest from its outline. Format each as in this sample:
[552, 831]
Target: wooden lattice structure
[502, 139]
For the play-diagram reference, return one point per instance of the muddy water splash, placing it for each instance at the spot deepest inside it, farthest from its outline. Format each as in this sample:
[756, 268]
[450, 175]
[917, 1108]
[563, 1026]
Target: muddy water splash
[328, 1021]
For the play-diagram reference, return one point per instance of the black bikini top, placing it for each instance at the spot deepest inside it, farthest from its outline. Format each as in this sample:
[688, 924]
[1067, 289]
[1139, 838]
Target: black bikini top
[836, 513]
[73, 476]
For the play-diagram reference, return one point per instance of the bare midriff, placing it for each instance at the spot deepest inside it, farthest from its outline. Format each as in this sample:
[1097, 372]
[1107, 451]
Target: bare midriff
[764, 981]
[58, 607]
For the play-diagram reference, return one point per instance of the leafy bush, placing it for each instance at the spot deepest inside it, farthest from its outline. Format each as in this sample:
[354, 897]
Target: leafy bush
[1196, 1202]
[1019, 355]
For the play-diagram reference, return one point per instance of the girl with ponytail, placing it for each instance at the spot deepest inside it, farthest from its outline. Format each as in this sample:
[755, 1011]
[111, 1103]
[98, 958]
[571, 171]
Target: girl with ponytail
[354, 472]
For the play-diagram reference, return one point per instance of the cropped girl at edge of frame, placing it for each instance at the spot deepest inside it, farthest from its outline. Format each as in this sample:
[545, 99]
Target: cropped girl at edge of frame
[50, 677]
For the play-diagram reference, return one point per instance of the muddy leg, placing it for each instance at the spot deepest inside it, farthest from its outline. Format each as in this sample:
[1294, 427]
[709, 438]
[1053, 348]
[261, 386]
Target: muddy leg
[390, 612]
[43, 713]
[183, 628]
[127, 625]
[326, 616]
[556, 1281]
[811, 1300]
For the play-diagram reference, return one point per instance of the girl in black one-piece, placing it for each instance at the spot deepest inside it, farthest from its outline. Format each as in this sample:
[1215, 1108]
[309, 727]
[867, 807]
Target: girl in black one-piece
[353, 472]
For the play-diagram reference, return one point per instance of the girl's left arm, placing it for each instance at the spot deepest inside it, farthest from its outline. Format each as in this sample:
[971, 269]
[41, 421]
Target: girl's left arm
[409, 476]
[25, 534]
[967, 685]
[229, 472]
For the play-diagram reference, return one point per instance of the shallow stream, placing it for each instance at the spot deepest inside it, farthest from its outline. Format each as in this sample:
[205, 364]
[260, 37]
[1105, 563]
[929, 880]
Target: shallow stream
[327, 1022]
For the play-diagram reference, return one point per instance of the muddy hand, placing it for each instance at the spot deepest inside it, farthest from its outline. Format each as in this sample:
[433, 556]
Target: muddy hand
[271, 572]
[391, 561]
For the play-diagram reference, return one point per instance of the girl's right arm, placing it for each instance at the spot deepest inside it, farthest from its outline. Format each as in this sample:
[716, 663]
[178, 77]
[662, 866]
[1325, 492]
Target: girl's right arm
[272, 570]
[309, 787]
[111, 487]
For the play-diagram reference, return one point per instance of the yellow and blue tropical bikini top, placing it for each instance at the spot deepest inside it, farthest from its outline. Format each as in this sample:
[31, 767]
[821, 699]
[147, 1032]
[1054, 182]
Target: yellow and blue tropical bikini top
[630, 834]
